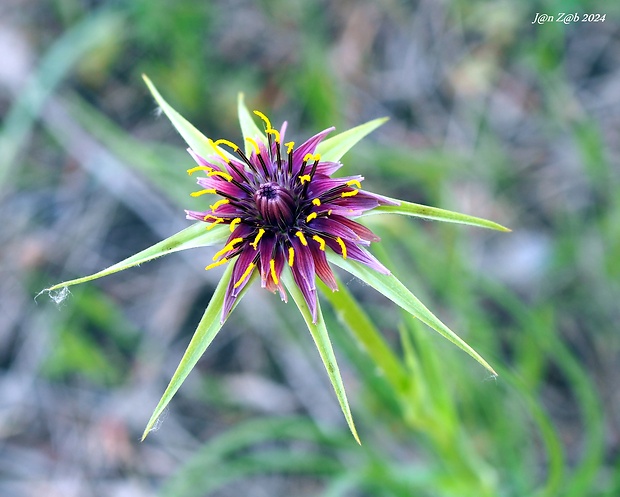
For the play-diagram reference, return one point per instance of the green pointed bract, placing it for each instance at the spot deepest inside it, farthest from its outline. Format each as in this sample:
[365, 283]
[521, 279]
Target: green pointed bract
[433, 213]
[194, 236]
[207, 329]
[324, 346]
[335, 147]
[394, 290]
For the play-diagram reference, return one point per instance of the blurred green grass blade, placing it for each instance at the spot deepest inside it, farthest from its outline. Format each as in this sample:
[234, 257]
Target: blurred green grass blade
[192, 237]
[353, 316]
[433, 213]
[198, 142]
[249, 129]
[208, 327]
[394, 290]
[335, 147]
[324, 346]
[89, 34]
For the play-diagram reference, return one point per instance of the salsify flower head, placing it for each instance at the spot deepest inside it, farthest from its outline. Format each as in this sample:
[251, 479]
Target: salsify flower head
[284, 207]
[283, 216]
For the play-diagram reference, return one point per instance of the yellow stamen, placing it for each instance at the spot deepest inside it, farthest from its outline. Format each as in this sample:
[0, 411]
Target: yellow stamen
[235, 221]
[227, 247]
[264, 118]
[215, 264]
[254, 244]
[210, 216]
[316, 202]
[352, 193]
[302, 238]
[320, 241]
[244, 275]
[304, 178]
[227, 143]
[274, 132]
[218, 151]
[254, 144]
[219, 203]
[291, 256]
[202, 192]
[199, 168]
[311, 216]
[354, 182]
[289, 146]
[272, 265]
[214, 223]
[343, 247]
[224, 175]
[307, 157]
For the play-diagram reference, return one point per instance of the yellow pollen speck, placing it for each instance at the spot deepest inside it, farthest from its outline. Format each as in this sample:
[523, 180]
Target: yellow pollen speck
[224, 175]
[228, 143]
[320, 241]
[227, 247]
[289, 147]
[274, 132]
[354, 182]
[218, 263]
[244, 275]
[316, 202]
[329, 212]
[235, 221]
[343, 247]
[264, 118]
[254, 144]
[291, 256]
[352, 193]
[311, 216]
[272, 266]
[254, 244]
[304, 178]
[218, 220]
[302, 238]
[219, 203]
[202, 192]
[199, 168]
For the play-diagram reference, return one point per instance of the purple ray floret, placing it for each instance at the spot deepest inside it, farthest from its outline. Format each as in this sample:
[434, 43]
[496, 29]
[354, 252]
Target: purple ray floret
[284, 208]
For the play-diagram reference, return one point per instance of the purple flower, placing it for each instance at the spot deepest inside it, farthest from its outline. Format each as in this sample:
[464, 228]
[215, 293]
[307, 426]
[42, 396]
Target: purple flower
[283, 207]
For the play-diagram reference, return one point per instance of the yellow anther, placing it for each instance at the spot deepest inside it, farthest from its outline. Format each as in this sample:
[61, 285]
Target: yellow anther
[219, 203]
[254, 244]
[272, 265]
[352, 193]
[311, 216]
[218, 151]
[354, 182]
[329, 212]
[316, 202]
[222, 174]
[218, 263]
[317, 157]
[291, 256]
[210, 216]
[304, 178]
[254, 144]
[235, 221]
[343, 247]
[302, 238]
[214, 223]
[320, 241]
[229, 246]
[202, 192]
[264, 118]
[289, 146]
[307, 157]
[244, 275]
[199, 168]
[227, 143]
[274, 132]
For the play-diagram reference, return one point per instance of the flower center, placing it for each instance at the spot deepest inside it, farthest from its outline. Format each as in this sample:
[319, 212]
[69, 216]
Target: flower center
[275, 204]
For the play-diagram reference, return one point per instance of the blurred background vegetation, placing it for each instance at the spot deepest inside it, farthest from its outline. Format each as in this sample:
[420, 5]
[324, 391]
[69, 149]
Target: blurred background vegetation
[490, 115]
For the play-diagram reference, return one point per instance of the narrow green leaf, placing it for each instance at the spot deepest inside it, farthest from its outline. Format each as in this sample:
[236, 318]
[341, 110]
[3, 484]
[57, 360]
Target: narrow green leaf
[192, 237]
[194, 138]
[335, 147]
[394, 290]
[206, 331]
[434, 213]
[248, 125]
[324, 346]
